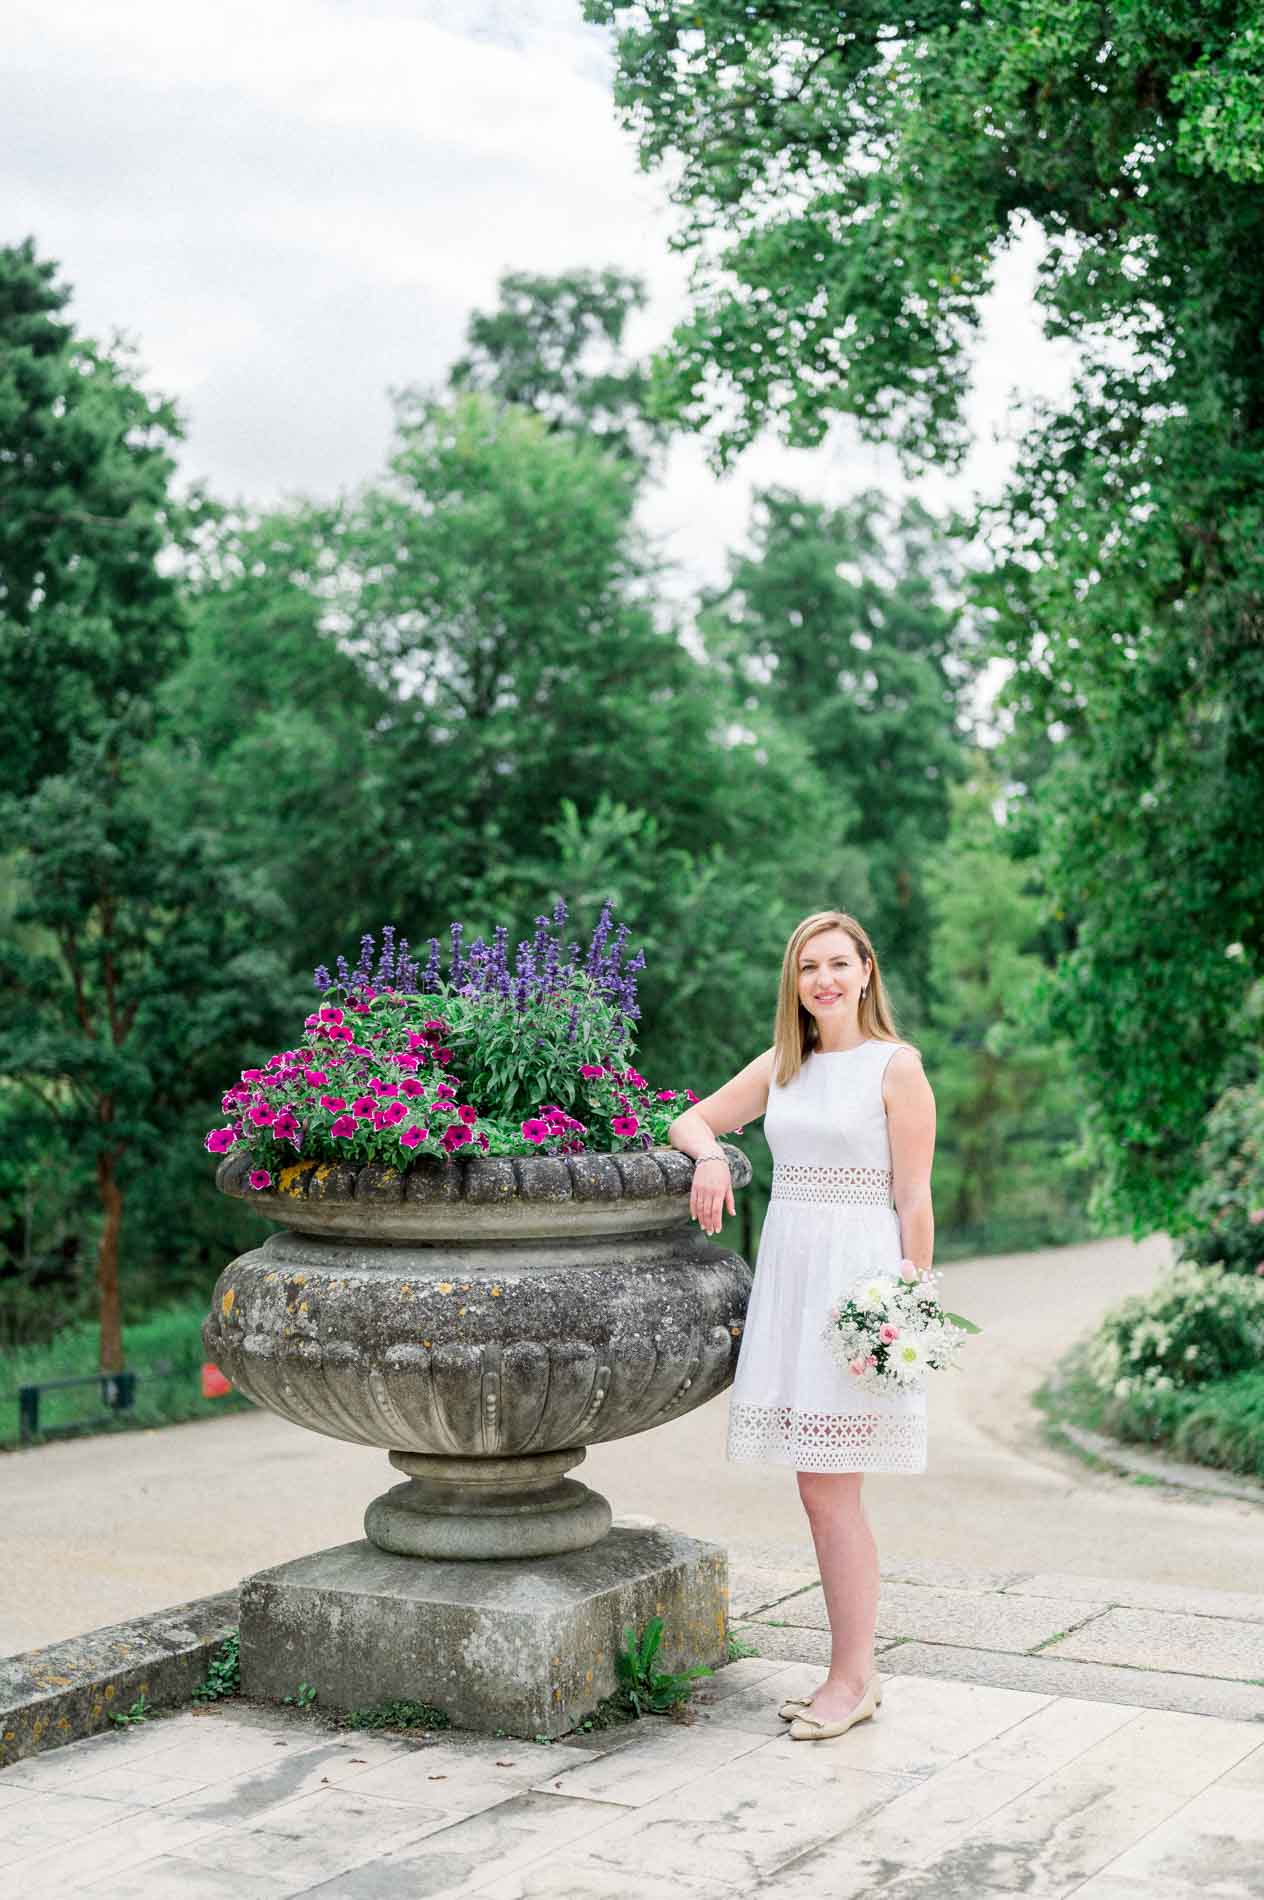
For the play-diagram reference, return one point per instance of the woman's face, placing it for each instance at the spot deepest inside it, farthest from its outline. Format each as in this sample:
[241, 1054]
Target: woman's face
[832, 973]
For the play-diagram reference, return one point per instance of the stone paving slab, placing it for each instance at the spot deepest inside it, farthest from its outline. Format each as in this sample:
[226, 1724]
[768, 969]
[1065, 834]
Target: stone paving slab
[1131, 1593]
[954, 1791]
[1059, 1675]
[754, 1587]
[978, 1619]
[1158, 1639]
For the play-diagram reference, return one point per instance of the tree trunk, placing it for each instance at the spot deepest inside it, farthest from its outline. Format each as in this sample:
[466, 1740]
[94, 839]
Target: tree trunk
[108, 1265]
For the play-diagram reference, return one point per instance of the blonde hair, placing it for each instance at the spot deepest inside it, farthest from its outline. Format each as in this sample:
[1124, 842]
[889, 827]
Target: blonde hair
[794, 1028]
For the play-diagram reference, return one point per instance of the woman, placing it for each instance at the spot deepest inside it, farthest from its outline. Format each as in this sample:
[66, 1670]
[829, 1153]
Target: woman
[850, 1120]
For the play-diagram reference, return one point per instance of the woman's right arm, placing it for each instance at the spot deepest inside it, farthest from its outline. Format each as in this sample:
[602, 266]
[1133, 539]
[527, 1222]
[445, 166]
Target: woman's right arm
[742, 1099]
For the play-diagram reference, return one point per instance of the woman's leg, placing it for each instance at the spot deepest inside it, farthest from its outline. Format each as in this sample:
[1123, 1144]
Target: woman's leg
[848, 1560]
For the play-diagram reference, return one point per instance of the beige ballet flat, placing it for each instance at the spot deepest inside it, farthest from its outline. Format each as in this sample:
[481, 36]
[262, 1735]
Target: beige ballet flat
[806, 1728]
[794, 1704]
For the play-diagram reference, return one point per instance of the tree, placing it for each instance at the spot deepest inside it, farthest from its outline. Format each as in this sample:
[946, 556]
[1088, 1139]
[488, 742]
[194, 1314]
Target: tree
[844, 624]
[118, 977]
[268, 706]
[847, 183]
[555, 346]
[1006, 1162]
[87, 618]
[127, 992]
[495, 586]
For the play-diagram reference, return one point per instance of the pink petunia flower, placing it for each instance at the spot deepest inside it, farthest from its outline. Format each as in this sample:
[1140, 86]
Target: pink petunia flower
[666, 1095]
[261, 1115]
[591, 1069]
[395, 1113]
[345, 1125]
[316, 1077]
[535, 1130]
[219, 1141]
[412, 1088]
[334, 1103]
[625, 1125]
[410, 1137]
[455, 1136]
[363, 1106]
[260, 1178]
[468, 1113]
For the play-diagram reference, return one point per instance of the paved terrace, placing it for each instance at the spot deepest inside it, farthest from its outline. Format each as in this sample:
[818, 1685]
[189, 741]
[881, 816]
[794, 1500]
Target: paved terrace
[1040, 1734]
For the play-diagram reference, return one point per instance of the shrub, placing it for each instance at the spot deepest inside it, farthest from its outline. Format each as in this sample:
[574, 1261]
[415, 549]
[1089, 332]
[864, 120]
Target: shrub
[1198, 1324]
[1225, 1212]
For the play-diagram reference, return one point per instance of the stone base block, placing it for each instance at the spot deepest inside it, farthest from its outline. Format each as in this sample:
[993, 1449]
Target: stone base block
[526, 1645]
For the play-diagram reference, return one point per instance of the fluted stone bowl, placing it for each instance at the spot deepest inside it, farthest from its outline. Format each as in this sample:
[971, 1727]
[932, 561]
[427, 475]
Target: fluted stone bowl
[483, 1320]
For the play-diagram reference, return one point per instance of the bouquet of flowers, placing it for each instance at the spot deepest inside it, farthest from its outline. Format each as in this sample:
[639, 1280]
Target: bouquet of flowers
[890, 1332]
[400, 1060]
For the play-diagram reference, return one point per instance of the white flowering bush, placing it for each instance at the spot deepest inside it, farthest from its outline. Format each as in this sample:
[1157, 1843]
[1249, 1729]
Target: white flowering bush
[1198, 1324]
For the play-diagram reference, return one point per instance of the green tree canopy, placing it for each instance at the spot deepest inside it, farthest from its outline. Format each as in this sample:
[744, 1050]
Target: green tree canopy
[87, 619]
[847, 183]
[846, 623]
[555, 345]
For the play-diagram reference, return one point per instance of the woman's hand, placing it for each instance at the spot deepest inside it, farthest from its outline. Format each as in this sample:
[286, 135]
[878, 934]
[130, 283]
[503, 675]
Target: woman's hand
[712, 1189]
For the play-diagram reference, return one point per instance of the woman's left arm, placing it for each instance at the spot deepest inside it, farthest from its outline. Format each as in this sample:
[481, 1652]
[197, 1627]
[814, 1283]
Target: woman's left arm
[910, 1106]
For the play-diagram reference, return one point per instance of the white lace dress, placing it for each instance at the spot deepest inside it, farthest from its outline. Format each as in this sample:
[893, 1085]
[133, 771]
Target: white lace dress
[830, 1222]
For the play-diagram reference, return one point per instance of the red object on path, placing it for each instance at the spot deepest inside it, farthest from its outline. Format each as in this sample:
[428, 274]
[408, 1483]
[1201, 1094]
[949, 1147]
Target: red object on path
[214, 1384]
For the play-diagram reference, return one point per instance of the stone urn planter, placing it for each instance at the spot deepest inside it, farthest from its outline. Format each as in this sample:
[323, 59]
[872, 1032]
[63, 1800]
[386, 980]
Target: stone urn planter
[483, 1320]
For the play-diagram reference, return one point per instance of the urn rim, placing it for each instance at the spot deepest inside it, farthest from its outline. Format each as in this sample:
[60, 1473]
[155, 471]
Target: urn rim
[309, 1192]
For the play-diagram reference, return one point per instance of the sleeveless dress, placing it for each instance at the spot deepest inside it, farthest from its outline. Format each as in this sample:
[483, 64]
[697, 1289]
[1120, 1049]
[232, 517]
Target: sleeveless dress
[830, 1222]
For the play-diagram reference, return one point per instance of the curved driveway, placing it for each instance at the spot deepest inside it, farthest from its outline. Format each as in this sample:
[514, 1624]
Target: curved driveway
[97, 1530]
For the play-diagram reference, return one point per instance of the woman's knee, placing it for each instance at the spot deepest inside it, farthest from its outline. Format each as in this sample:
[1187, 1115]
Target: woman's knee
[830, 1493]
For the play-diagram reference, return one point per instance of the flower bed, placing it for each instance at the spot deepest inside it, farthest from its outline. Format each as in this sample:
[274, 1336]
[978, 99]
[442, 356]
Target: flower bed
[397, 1061]
[1178, 1367]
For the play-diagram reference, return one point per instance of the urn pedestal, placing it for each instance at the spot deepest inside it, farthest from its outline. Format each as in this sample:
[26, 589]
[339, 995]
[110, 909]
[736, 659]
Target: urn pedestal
[483, 1321]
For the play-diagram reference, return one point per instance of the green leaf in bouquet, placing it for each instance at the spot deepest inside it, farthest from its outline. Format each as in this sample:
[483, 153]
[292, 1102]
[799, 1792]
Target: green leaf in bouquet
[966, 1325]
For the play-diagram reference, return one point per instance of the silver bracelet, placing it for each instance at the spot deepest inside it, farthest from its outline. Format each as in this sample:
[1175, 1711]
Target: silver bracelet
[719, 1155]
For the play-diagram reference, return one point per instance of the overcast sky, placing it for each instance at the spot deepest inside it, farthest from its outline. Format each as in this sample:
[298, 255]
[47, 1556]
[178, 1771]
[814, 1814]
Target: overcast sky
[291, 206]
